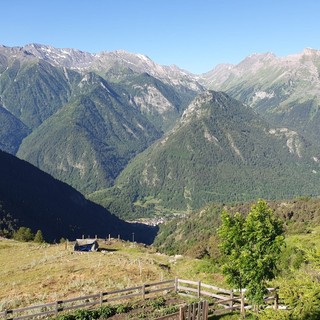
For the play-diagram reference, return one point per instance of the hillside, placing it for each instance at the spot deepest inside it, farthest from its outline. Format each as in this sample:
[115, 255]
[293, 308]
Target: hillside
[194, 236]
[47, 273]
[34, 199]
[297, 275]
[131, 265]
[221, 150]
[12, 131]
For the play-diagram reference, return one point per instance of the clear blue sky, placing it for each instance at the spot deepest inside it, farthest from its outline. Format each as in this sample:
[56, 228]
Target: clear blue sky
[195, 35]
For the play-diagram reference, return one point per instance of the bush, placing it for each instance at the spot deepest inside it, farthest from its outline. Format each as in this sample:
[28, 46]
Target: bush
[107, 311]
[121, 308]
[23, 234]
[157, 303]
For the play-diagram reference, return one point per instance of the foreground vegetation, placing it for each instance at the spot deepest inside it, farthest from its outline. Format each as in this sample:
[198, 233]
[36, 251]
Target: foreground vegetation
[147, 309]
[298, 276]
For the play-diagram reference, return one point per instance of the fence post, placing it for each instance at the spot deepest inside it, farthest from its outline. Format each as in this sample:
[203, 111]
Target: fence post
[243, 311]
[101, 299]
[199, 289]
[206, 310]
[276, 300]
[143, 292]
[181, 313]
[176, 284]
[231, 302]
[200, 310]
[57, 308]
[188, 311]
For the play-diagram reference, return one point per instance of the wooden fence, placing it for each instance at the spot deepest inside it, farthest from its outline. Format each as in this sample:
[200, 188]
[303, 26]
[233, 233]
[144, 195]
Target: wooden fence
[223, 300]
[53, 308]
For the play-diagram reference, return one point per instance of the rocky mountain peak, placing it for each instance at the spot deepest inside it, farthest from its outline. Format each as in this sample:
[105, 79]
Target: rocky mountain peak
[205, 104]
[140, 63]
[310, 51]
[105, 61]
[69, 58]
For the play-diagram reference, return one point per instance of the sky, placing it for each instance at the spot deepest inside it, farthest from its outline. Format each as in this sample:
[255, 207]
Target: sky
[195, 35]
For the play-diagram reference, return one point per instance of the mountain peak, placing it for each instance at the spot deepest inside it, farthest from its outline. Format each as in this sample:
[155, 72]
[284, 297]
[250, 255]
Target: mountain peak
[310, 52]
[262, 56]
[207, 103]
[62, 57]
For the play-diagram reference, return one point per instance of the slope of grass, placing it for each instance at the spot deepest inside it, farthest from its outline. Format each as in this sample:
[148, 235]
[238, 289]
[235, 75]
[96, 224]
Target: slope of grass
[32, 273]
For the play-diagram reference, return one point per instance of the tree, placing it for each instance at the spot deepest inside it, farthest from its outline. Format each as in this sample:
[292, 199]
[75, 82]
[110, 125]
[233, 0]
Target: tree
[251, 247]
[38, 237]
[23, 234]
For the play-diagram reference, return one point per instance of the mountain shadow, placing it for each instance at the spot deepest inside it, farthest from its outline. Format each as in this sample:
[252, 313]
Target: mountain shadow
[31, 198]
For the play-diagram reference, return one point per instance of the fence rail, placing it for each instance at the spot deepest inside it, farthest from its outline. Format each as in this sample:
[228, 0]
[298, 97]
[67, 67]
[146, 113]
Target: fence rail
[229, 300]
[224, 300]
[53, 308]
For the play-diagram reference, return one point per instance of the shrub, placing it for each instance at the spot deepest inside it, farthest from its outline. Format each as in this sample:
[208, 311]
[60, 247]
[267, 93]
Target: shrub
[121, 308]
[23, 234]
[107, 311]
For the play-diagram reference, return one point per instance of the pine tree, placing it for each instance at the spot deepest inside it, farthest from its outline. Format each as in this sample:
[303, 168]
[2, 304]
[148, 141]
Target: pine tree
[38, 237]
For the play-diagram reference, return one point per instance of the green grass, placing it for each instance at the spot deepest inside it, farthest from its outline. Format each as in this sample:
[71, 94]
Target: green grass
[32, 273]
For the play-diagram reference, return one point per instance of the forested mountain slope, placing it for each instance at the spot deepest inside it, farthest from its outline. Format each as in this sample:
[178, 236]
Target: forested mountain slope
[196, 234]
[221, 150]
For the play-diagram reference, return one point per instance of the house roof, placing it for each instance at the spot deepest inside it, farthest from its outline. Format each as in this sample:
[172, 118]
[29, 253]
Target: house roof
[83, 242]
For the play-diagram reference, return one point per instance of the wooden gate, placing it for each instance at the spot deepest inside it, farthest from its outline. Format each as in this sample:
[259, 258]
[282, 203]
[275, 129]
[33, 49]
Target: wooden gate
[195, 311]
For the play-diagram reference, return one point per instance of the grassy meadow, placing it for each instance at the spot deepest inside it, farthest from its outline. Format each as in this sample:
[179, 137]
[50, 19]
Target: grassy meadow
[31, 273]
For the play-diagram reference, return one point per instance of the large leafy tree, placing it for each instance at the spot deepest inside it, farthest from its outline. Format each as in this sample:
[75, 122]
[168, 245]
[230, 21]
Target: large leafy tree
[251, 247]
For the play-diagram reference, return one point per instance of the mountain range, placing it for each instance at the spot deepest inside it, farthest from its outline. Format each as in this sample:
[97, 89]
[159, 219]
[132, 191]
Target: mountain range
[82, 117]
[141, 138]
[284, 90]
